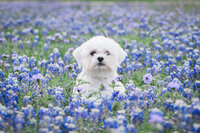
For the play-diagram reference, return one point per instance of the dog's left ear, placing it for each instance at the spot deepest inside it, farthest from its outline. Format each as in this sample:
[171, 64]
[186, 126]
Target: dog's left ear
[121, 56]
[77, 55]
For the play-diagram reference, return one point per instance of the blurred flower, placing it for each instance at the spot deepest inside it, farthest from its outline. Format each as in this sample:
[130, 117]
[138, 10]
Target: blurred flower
[110, 123]
[156, 116]
[147, 78]
[38, 76]
[174, 84]
[196, 127]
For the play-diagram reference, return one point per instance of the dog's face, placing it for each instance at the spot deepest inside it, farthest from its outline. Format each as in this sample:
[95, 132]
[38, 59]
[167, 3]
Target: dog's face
[99, 53]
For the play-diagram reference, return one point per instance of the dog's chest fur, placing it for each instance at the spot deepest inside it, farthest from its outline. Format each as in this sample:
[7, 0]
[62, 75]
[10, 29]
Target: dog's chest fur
[94, 88]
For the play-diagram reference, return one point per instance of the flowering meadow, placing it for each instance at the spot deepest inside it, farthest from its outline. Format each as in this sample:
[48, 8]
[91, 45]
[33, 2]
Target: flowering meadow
[38, 72]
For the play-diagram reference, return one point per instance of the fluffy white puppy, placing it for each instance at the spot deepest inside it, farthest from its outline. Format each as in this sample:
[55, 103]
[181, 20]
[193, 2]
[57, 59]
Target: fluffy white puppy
[98, 58]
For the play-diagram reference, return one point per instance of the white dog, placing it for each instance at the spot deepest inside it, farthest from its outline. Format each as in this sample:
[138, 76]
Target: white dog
[98, 59]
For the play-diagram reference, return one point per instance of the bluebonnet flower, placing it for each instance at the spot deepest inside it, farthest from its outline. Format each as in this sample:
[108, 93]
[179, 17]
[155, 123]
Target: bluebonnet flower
[69, 119]
[2, 75]
[136, 54]
[56, 129]
[28, 111]
[195, 101]
[68, 56]
[115, 95]
[70, 126]
[20, 45]
[186, 83]
[45, 32]
[188, 118]
[55, 111]
[36, 77]
[55, 69]
[198, 61]
[19, 121]
[80, 112]
[56, 54]
[120, 129]
[169, 104]
[110, 123]
[121, 120]
[195, 112]
[137, 116]
[196, 127]
[32, 62]
[35, 43]
[43, 64]
[59, 97]
[180, 105]
[27, 100]
[43, 130]
[46, 47]
[58, 120]
[43, 111]
[16, 61]
[187, 93]
[157, 56]
[9, 35]
[95, 114]
[156, 116]
[24, 77]
[135, 94]
[7, 67]
[23, 60]
[174, 84]
[1, 62]
[168, 124]
[61, 63]
[196, 85]
[156, 119]
[196, 73]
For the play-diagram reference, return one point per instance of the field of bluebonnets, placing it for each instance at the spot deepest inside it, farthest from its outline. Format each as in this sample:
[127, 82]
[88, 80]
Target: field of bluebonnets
[38, 71]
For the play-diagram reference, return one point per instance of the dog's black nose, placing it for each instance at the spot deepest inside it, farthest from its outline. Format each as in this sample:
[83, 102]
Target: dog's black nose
[100, 59]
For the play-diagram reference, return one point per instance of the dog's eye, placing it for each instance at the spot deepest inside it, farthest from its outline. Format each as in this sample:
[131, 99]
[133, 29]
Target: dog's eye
[107, 53]
[92, 53]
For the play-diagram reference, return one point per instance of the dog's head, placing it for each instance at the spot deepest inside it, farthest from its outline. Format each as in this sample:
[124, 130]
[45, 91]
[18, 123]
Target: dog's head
[99, 53]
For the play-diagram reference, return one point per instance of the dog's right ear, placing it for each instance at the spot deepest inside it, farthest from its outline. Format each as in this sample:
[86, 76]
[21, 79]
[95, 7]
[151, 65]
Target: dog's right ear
[77, 55]
[121, 55]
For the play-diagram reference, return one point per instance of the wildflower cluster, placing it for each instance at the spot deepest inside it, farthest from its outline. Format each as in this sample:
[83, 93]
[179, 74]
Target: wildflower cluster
[38, 72]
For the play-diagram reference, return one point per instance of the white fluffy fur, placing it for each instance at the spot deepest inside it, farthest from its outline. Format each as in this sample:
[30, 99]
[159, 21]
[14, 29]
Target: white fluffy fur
[95, 74]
